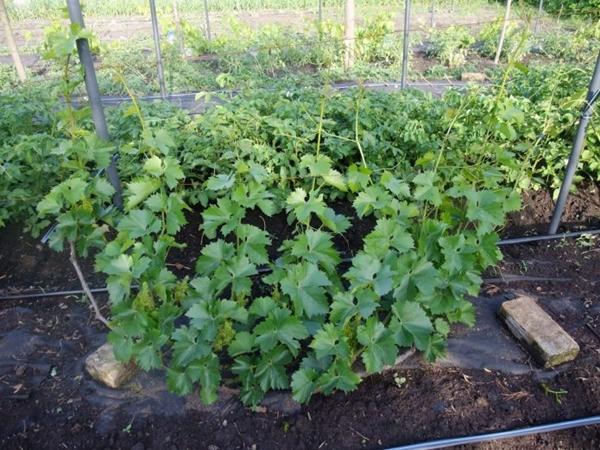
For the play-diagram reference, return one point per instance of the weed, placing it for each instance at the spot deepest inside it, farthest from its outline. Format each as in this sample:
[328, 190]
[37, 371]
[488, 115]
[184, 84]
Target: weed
[557, 394]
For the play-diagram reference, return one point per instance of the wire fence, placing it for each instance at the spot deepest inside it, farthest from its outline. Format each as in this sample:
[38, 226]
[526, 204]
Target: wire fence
[285, 49]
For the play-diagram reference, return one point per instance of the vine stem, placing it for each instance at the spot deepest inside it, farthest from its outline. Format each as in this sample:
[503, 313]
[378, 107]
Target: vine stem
[136, 106]
[319, 133]
[84, 285]
[356, 136]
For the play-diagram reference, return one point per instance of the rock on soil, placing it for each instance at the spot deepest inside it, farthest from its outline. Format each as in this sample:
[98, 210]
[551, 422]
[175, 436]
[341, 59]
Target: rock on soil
[103, 366]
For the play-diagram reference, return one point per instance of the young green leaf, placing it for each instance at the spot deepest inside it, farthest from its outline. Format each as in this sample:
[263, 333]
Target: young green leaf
[280, 327]
[410, 324]
[305, 284]
[379, 346]
[304, 384]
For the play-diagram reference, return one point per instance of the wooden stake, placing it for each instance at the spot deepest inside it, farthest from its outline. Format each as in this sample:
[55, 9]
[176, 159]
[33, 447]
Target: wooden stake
[12, 45]
[178, 29]
[432, 14]
[503, 32]
[349, 35]
[207, 20]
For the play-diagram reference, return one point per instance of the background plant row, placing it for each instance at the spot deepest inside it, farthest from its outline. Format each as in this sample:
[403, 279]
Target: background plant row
[249, 57]
[41, 8]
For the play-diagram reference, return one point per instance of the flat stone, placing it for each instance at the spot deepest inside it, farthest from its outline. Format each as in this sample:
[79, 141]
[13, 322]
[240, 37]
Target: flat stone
[473, 76]
[103, 367]
[545, 339]
[281, 402]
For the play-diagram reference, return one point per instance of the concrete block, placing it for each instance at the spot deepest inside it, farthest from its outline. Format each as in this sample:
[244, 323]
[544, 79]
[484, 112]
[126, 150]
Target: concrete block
[103, 366]
[473, 76]
[545, 339]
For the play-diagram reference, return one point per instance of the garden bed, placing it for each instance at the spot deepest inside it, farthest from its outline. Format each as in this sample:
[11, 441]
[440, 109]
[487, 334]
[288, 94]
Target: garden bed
[48, 400]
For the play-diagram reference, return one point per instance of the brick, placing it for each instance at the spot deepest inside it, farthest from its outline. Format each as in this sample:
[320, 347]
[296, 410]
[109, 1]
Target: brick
[103, 366]
[545, 339]
[473, 76]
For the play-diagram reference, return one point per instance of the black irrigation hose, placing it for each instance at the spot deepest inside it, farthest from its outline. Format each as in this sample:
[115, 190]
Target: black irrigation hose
[52, 294]
[527, 431]
[261, 270]
[546, 237]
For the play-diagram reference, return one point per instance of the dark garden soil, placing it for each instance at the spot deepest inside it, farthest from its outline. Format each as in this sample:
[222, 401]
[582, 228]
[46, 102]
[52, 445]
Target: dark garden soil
[48, 401]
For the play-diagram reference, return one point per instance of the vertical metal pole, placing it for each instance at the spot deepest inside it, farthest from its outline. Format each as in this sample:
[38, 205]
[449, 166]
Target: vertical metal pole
[578, 143]
[536, 27]
[91, 86]
[178, 29]
[349, 34]
[503, 32]
[159, 60]
[405, 44]
[12, 45]
[320, 11]
[207, 20]
[432, 14]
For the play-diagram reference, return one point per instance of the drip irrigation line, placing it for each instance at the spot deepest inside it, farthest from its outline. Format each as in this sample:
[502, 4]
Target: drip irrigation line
[112, 101]
[52, 294]
[518, 432]
[265, 269]
[546, 237]
[259, 271]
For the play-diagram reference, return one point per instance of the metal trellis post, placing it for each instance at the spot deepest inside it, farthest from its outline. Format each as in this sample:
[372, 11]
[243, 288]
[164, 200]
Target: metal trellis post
[207, 20]
[91, 85]
[178, 29]
[432, 14]
[12, 45]
[536, 27]
[405, 44]
[159, 60]
[578, 143]
[320, 11]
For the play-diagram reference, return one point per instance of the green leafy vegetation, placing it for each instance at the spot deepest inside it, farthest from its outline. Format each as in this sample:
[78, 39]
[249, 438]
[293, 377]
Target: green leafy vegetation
[586, 8]
[306, 312]
[451, 45]
[53, 8]
[337, 227]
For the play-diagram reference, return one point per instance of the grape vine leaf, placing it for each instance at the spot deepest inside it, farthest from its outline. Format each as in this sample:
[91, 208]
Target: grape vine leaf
[379, 345]
[410, 324]
[305, 284]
